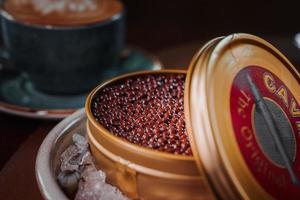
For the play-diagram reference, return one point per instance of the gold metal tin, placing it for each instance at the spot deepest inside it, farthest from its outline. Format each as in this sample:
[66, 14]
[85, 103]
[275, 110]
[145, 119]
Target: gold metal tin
[139, 172]
[217, 170]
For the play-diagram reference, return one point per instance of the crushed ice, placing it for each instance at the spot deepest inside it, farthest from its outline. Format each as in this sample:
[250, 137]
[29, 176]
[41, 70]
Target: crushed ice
[79, 177]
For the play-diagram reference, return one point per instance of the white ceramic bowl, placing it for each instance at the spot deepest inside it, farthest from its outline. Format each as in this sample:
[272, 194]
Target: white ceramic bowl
[47, 161]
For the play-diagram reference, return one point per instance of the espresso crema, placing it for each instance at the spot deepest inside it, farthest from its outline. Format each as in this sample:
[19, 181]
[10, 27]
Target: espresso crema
[62, 12]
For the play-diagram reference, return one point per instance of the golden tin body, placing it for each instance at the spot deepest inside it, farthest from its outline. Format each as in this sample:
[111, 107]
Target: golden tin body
[143, 173]
[242, 113]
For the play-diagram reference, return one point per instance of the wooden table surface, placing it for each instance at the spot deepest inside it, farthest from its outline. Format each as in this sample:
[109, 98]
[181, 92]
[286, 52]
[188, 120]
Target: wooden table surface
[20, 138]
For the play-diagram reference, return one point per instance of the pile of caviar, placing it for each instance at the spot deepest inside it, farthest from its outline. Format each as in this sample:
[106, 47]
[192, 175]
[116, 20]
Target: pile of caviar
[147, 111]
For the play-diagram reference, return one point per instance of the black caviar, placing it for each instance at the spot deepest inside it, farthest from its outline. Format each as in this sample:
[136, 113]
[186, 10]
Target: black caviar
[146, 110]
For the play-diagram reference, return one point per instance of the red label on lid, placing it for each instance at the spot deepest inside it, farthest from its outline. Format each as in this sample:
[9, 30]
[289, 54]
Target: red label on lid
[266, 122]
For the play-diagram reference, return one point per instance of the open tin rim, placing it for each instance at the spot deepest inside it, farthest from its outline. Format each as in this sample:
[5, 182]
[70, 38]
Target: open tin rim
[123, 141]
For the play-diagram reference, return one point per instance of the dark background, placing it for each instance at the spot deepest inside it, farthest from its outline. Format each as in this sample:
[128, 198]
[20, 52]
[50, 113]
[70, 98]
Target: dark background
[157, 24]
[173, 21]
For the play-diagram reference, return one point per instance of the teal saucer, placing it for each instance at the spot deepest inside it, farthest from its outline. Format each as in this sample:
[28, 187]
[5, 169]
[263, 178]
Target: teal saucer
[18, 96]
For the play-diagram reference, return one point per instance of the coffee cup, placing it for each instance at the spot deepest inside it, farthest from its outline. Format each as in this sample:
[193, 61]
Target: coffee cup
[59, 56]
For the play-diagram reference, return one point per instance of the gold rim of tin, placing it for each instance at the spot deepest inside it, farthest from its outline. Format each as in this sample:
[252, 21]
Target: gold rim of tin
[208, 84]
[122, 141]
[197, 59]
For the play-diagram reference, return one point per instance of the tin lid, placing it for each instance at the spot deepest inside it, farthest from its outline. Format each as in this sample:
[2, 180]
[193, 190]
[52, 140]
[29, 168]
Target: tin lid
[242, 108]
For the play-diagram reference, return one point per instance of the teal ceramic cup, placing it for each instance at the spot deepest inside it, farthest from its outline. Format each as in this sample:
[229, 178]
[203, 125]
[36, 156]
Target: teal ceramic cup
[63, 60]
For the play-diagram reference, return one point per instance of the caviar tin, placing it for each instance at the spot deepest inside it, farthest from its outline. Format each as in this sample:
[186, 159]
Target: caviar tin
[242, 113]
[141, 173]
